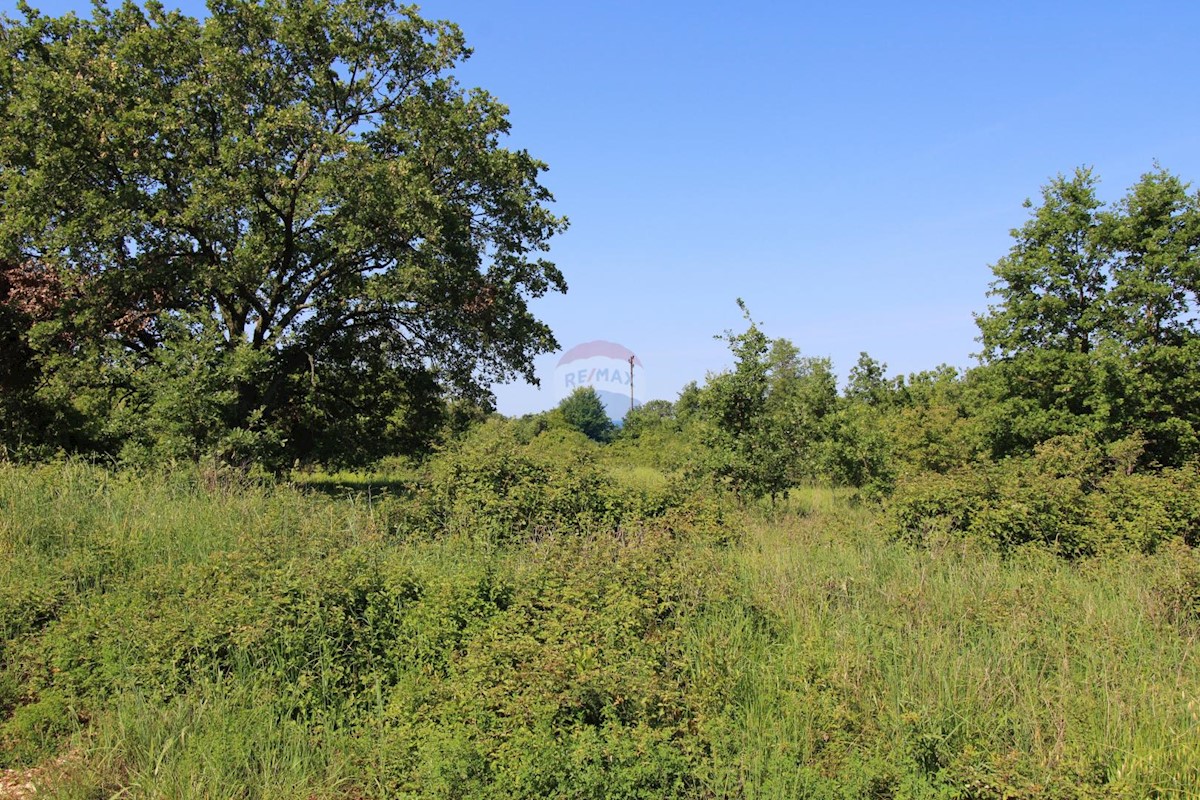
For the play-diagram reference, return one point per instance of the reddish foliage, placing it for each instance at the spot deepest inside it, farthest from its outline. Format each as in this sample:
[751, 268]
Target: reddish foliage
[37, 292]
[481, 301]
[31, 289]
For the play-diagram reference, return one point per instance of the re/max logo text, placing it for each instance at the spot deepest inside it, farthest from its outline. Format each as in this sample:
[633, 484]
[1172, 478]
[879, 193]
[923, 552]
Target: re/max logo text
[586, 377]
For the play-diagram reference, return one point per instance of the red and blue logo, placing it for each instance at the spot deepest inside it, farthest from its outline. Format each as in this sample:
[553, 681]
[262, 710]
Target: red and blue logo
[612, 370]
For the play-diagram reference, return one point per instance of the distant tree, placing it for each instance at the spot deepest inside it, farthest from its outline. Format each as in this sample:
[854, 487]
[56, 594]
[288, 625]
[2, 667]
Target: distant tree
[1043, 375]
[745, 451]
[765, 418]
[583, 411]
[869, 383]
[687, 405]
[651, 415]
[1155, 237]
[1155, 231]
[853, 447]
[857, 449]
[930, 429]
[801, 397]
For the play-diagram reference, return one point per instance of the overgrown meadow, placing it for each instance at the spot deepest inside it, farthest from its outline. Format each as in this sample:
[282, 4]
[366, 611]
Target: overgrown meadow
[540, 615]
[243, 252]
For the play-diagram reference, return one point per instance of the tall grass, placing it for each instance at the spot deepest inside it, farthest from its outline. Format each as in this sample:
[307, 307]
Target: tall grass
[221, 740]
[857, 664]
[188, 636]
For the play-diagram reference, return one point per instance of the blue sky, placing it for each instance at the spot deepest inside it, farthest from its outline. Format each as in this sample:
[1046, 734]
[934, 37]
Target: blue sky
[850, 170]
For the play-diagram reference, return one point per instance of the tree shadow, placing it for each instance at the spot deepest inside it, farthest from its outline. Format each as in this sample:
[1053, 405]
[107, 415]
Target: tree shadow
[368, 487]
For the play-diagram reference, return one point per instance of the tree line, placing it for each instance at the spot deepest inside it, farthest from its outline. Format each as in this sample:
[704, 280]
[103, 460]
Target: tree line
[284, 235]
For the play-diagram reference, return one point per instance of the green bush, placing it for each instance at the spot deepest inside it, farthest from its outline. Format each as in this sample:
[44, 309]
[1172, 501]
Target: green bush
[1175, 590]
[494, 488]
[1140, 511]
[1070, 496]
[570, 691]
[35, 729]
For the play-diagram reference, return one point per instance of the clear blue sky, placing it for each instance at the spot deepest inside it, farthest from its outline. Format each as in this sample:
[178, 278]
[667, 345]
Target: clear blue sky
[850, 170]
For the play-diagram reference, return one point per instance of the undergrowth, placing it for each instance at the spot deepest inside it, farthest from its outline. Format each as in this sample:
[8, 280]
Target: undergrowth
[185, 636]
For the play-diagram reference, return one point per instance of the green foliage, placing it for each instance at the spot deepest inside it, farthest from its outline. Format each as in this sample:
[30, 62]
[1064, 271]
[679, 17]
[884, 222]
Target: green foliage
[1155, 235]
[35, 730]
[290, 206]
[649, 416]
[212, 636]
[583, 411]
[185, 405]
[858, 451]
[802, 403]
[744, 449]
[932, 429]
[1094, 329]
[660, 435]
[1073, 497]
[570, 689]
[869, 383]
[763, 421]
[1052, 286]
[497, 488]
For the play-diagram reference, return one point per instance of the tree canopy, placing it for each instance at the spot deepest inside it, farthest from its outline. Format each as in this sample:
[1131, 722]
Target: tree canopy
[294, 201]
[583, 411]
[1095, 325]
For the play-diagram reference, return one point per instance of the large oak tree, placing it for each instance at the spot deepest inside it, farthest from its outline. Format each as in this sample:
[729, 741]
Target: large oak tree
[289, 206]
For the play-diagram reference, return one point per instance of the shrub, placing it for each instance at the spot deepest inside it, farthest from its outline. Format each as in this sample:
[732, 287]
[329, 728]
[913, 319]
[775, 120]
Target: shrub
[1175, 590]
[33, 731]
[493, 487]
[571, 690]
[1070, 496]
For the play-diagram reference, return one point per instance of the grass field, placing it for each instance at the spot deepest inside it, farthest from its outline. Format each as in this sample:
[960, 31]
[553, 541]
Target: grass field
[194, 636]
